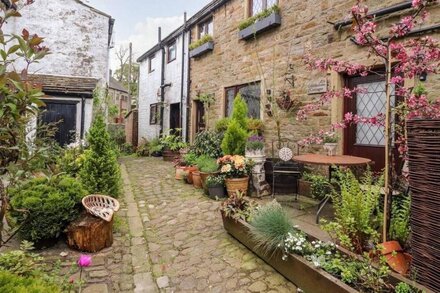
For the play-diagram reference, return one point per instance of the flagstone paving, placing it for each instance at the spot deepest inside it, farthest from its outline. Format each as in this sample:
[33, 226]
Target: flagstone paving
[178, 243]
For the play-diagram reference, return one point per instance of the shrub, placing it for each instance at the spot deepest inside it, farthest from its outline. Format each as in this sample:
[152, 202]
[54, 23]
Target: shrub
[100, 172]
[234, 142]
[356, 206]
[270, 226]
[21, 262]
[207, 164]
[11, 283]
[72, 161]
[320, 186]
[207, 143]
[205, 39]
[222, 124]
[172, 142]
[155, 147]
[51, 204]
[238, 207]
[190, 159]
[143, 149]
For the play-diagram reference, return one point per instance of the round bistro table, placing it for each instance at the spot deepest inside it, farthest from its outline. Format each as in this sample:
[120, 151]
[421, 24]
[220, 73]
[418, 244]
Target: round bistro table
[331, 162]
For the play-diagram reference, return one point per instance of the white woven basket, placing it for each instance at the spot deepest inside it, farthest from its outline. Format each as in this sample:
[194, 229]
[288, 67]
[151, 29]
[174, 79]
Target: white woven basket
[102, 206]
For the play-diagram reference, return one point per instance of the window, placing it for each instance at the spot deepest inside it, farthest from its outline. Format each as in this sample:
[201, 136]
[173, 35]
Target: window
[257, 6]
[172, 50]
[250, 93]
[151, 64]
[206, 28]
[154, 114]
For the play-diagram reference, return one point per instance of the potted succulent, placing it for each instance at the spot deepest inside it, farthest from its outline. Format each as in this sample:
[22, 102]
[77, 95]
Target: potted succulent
[207, 166]
[172, 143]
[330, 140]
[236, 169]
[216, 186]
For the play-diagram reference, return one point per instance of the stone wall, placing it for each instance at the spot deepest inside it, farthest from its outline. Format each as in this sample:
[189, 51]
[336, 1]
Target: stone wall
[304, 27]
[77, 35]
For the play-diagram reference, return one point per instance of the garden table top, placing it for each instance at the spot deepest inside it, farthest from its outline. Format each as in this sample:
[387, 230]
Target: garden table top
[318, 159]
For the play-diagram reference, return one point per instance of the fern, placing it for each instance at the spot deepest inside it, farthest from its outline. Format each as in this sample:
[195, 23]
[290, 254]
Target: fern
[400, 226]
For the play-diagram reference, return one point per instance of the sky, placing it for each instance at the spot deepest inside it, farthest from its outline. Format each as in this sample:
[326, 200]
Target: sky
[137, 20]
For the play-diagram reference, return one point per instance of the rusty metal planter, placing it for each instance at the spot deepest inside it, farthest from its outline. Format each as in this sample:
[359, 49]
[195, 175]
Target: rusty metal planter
[297, 269]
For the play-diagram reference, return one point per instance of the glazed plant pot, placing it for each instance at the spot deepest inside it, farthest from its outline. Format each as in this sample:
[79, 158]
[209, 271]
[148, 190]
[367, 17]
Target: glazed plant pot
[237, 184]
[189, 172]
[197, 180]
[180, 172]
[169, 156]
[215, 192]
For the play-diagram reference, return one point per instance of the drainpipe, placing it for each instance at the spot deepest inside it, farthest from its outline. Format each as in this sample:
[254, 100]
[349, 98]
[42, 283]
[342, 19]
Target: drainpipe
[83, 106]
[188, 97]
[162, 80]
[183, 77]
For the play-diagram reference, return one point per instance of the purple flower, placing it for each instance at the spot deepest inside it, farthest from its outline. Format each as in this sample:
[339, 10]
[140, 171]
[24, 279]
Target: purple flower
[84, 261]
[256, 138]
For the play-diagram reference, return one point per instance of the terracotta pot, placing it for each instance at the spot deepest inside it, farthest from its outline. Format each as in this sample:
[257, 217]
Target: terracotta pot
[189, 172]
[396, 259]
[237, 184]
[197, 180]
[169, 156]
[180, 172]
[205, 176]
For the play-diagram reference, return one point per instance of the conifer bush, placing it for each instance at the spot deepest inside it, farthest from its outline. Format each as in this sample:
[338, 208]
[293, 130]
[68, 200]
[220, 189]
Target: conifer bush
[234, 141]
[100, 173]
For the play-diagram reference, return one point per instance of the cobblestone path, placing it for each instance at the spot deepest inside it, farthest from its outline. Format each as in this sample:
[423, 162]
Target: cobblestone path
[186, 247]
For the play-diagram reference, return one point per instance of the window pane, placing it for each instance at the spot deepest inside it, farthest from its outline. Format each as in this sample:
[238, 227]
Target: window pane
[257, 6]
[172, 52]
[251, 94]
[371, 104]
[230, 96]
[210, 28]
[271, 3]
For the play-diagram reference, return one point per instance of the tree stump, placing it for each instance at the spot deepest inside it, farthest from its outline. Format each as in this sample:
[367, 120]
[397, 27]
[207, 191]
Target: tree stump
[90, 234]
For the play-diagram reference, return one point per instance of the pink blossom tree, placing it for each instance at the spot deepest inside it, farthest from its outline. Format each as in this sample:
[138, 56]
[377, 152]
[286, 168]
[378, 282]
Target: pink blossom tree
[403, 58]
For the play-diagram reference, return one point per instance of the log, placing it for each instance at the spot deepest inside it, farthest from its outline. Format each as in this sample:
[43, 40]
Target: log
[90, 234]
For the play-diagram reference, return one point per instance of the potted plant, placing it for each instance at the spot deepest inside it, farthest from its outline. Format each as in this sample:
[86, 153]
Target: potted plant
[207, 166]
[255, 148]
[236, 169]
[155, 148]
[171, 143]
[330, 140]
[180, 166]
[216, 186]
[190, 161]
[196, 179]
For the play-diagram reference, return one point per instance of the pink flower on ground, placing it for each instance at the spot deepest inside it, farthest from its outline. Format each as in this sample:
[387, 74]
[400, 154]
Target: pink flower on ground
[84, 261]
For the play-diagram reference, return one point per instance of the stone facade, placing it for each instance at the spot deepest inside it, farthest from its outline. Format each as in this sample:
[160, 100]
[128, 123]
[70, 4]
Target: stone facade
[305, 26]
[79, 38]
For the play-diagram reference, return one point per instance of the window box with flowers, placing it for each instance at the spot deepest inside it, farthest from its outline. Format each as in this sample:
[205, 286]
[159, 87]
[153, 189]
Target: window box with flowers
[236, 170]
[261, 22]
[202, 46]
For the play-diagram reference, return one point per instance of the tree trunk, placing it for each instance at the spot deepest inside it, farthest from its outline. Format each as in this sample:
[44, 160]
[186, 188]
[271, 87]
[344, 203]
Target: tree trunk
[90, 234]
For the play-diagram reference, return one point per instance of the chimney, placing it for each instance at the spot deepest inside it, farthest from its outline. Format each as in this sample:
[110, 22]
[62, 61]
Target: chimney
[159, 32]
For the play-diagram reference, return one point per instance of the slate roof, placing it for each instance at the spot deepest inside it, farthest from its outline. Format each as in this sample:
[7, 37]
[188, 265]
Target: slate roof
[67, 85]
[116, 85]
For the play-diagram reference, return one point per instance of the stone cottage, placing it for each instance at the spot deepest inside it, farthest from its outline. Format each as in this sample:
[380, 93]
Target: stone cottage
[79, 38]
[268, 60]
[163, 89]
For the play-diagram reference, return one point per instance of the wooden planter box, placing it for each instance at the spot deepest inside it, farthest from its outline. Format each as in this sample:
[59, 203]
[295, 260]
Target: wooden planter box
[260, 26]
[199, 51]
[297, 269]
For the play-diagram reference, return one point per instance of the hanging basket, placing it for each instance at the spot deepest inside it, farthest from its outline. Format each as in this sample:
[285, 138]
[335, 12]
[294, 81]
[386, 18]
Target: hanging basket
[101, 206]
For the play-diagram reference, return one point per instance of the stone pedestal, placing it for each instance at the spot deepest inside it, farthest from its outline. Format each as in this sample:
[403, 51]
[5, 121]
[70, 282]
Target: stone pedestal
[258, 173]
